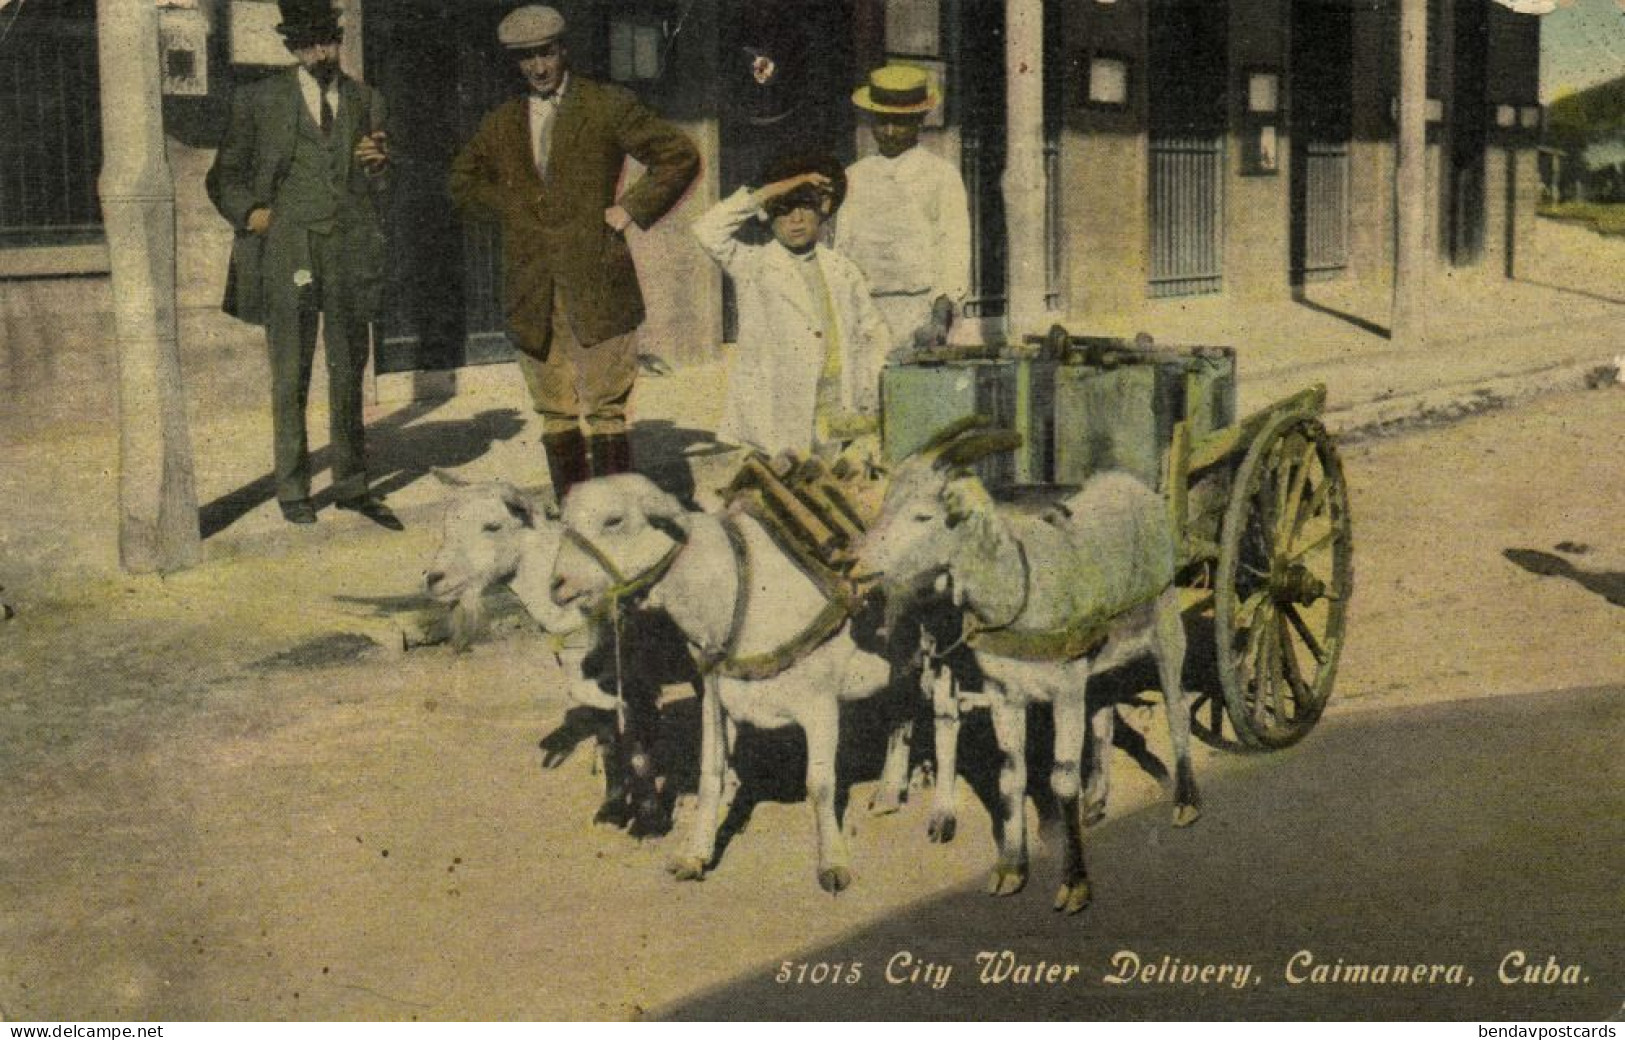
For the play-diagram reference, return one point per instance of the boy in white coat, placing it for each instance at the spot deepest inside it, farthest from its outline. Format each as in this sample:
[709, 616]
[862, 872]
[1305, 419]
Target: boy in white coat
[805, 374]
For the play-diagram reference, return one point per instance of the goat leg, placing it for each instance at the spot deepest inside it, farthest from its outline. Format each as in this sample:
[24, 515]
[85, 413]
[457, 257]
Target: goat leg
[945, 710]
[892, 790]
[1070, 710]
[1102, 723]
[1168, 647]
[1010, 728]
[649, 818]
[615, 811]
[821, 724]
[691, 863]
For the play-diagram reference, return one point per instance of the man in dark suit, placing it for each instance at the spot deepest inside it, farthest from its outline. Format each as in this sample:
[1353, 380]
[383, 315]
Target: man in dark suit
[546, 167]
[297, 174]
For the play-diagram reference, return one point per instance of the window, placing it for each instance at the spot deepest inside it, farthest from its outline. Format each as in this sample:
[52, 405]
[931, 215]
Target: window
[634, 50]
[51, 152]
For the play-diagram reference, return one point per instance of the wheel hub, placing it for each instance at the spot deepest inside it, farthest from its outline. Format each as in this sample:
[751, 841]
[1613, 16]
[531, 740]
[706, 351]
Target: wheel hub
[1295, 584]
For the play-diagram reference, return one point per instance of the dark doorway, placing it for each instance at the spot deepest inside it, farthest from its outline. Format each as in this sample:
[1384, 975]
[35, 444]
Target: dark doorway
[977, 94]
[1322, 75]
[1469, 116]
[785, 73]
[1188, 62]
[441, 70]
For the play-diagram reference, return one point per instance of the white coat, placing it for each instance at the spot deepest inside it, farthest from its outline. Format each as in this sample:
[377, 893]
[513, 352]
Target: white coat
[773, 373]
[906, 224]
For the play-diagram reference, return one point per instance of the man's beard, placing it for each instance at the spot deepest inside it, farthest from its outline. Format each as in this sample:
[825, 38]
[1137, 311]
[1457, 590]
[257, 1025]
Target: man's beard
[325, 72]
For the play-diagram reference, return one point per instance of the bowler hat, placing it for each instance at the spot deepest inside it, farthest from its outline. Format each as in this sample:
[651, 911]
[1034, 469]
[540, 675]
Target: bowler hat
[898, 90]
[529, 26]
[308, 21]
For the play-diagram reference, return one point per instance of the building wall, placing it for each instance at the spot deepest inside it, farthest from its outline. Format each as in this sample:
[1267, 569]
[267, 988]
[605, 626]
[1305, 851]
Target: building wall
[1103, 164]
[1257, 208]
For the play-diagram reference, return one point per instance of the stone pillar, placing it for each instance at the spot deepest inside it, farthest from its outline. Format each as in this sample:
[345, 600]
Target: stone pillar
[1408, 324]
[158, 517]
[1024, 165]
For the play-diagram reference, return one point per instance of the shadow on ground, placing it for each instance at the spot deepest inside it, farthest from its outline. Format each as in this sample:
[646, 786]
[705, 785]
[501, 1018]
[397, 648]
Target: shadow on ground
[400, 451]
[1400, 839]
[1610, 585]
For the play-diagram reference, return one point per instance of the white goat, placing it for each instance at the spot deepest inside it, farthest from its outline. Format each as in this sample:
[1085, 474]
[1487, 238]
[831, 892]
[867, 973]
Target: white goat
[1033, 584]
[739, 600]
[492, 535]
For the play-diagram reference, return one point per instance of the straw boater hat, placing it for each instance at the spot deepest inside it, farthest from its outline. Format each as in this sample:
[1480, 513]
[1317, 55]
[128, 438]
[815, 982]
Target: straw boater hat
[308, 21]
[897, 90]
[530, 26]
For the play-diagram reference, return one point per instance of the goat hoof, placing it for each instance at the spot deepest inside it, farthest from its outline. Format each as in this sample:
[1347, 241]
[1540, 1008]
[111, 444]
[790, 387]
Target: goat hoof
[1185, 815]
[1073, 896]
[1007, 880]
[886, 801]
[614, 813]
[942, 827]
[1094, 812]
[649, 822]
[687, 868]
[834, 880]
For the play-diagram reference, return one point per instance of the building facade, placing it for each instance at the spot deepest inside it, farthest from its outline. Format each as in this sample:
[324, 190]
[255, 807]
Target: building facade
[1234, 148]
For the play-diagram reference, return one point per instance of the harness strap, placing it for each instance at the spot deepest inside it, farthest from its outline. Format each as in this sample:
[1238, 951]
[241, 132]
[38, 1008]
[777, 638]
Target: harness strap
[623, 587]
[756, 667]
[1066, 643]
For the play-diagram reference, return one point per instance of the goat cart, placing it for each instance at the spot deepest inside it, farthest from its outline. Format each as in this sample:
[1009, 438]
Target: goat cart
[1259, 504]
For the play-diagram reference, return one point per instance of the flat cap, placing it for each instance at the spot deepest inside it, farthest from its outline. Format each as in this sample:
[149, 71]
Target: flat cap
[530, 26]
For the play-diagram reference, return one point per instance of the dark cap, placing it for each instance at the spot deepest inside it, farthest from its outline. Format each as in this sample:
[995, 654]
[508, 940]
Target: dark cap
[305, 22]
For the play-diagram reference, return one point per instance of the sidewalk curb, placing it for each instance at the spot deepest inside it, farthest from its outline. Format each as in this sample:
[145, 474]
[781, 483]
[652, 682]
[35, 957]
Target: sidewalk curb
[1441, 406]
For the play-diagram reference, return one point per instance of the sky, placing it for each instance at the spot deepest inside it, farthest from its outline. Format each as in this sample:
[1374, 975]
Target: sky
[1582, 42]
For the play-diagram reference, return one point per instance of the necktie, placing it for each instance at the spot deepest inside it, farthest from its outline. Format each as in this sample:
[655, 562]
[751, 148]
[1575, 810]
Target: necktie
[545, 108]
[327, 113]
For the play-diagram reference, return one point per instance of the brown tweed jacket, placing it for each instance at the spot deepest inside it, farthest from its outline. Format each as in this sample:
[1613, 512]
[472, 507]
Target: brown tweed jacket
[554, 238]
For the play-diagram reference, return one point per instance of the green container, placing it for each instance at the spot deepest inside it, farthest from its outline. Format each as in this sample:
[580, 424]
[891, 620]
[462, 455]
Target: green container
[1118, 410]
[1111, 405]
[917, 401]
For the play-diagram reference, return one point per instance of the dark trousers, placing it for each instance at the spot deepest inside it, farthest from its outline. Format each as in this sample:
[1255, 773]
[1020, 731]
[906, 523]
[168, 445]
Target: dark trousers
[308, 277]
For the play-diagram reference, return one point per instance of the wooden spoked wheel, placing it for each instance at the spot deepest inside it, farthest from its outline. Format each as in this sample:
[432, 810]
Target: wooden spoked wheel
[1284, 579]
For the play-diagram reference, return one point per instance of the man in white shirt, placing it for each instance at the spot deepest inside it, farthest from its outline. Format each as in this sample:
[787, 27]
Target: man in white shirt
[906, 222]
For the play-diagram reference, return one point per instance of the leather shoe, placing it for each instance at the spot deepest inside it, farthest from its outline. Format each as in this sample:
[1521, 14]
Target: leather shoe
[298, 512]
[373, 509]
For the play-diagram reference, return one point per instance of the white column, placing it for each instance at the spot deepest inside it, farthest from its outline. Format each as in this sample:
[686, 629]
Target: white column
[158, 517]
[1408, 323]
[1024, 165]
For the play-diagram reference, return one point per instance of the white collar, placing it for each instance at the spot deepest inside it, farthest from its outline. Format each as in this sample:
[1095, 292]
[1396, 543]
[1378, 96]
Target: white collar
[557, 95]
[311, 85]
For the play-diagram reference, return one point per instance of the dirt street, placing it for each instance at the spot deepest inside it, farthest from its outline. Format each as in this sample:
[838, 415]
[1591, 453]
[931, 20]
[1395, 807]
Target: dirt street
[225, 801]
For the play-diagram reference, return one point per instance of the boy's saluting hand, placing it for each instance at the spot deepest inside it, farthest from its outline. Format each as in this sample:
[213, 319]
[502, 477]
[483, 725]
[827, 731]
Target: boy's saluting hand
[767, 193]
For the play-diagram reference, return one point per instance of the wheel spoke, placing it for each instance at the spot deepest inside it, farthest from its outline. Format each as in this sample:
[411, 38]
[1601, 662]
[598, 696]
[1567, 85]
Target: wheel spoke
[1243, 617]
[1271, 649]
[1318, 543]
[1294, 496]
[1316, 503]
[1302, 695]
[1260, 640]
[1305, 634]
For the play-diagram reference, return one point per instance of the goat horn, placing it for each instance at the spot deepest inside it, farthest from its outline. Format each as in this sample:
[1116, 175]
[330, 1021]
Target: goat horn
[953, 431]
[968, 449]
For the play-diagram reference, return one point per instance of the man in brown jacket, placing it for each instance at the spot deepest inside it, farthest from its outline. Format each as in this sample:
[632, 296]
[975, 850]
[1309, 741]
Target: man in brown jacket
[546, 166]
